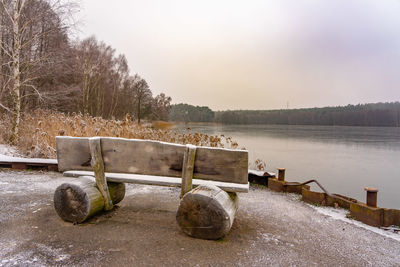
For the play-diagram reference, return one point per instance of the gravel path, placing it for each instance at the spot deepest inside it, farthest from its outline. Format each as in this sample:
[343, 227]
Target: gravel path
[270, 229]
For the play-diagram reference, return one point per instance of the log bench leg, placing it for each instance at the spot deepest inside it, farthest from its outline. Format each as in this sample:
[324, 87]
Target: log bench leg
[207, 212]
[81, 199]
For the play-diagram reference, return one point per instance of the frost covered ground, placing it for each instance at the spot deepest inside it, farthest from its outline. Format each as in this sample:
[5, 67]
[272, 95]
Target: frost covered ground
[269, 229]
[7, 152]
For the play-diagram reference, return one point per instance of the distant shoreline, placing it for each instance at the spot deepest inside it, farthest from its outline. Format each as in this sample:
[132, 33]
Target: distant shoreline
[194, 123]
[372, 115]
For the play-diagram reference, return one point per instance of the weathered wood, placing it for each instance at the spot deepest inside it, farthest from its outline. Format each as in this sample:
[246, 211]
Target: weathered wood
[19, 166]
[28, 161]
[160, 180]
[154, 158]
[207, 212]
[52, 167]
[98, 168]
[80, 199]
[187, 169]
[73, 153]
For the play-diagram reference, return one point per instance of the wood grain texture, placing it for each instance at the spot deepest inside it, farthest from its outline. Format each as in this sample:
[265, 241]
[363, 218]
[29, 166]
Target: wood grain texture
[154, 158]
[73, 153]
[98, 168]
[80, 199]
[187, 169]
[207, 212]
[161, 180]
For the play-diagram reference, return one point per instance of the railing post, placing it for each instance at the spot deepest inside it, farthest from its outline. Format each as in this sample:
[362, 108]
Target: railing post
[372, 196]
[281, 174]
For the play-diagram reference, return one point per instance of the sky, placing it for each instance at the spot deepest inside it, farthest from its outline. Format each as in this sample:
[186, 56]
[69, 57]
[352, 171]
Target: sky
[256, 54]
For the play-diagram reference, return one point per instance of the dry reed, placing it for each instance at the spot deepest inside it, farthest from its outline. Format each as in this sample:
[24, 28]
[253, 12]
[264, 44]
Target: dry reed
[39, 128]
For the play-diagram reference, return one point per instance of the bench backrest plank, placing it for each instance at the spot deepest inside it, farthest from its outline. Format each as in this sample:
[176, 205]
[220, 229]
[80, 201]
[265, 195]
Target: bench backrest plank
[154, 158]
[73, 153]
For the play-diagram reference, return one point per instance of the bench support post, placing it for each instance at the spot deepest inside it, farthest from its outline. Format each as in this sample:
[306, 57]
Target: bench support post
[98, 168]
[80, 199]
[207, 212]
[187, 169]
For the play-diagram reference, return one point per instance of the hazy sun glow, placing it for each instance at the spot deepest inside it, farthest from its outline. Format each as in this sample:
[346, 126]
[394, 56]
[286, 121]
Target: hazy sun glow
[256, 54]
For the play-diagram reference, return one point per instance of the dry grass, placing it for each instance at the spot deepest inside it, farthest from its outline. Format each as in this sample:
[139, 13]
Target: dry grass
[39, 129]
[260, 165]
[162, 125]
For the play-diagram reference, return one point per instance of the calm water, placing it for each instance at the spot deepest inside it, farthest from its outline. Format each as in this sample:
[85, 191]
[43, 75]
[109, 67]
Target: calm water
[343, 159]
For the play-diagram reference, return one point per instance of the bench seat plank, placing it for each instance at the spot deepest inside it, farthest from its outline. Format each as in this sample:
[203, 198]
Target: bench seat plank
[160, 180]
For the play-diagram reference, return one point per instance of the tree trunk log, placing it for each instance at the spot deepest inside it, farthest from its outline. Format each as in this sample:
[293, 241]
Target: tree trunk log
[81, 199]
[207, 212]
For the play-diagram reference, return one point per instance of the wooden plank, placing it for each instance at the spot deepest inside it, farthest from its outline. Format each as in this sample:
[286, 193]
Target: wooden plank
[98, 167]
[221, 165]
[19, 166]
[73, 153]
[166, 159]
[160, 180]
[187, 169]
[261, 173]
[21, 163]
[142, 157]
[29, 161]
[154, 158]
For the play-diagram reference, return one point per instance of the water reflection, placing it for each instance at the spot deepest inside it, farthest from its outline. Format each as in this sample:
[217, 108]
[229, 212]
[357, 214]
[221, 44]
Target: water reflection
[343, 159]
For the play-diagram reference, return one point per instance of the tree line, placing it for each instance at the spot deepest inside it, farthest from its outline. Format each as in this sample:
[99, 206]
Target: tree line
[190, 113]
[41, 67]
[373, 114]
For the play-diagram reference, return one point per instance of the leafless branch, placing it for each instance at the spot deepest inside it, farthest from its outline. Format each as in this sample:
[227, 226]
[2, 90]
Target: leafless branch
[6, 108]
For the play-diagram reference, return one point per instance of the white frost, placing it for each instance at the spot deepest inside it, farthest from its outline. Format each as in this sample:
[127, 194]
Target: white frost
[340, 214]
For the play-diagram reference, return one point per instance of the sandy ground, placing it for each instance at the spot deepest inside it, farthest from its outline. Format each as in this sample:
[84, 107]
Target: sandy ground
[270, 228]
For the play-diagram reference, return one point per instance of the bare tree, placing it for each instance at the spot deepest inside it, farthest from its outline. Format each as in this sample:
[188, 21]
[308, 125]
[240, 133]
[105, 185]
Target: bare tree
[161, 107]
[41, 68]
[142, 96]
[120, 73]
[29, 30]
[102, 77]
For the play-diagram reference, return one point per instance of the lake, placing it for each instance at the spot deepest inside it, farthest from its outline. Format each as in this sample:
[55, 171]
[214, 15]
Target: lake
[343, 159]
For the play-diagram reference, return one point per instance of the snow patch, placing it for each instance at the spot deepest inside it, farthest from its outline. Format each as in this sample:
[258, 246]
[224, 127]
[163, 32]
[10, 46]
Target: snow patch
[141, 189]
[270, 238]
[340, 214]
[38, 258]
[10, 154]
[8, 151]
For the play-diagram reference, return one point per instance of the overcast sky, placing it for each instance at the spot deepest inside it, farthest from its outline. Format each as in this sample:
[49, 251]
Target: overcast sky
[256, 54]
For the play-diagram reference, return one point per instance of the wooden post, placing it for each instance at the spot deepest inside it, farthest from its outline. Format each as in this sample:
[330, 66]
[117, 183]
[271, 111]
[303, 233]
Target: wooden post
[98, 168]
[281, 174]
[187, 169]
[372, 196]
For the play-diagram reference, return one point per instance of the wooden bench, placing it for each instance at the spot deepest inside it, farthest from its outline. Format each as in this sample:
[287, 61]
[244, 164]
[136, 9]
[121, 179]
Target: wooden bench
[104, 164]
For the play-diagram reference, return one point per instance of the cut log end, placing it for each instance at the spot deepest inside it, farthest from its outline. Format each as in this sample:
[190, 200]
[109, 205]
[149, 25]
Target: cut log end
[207, 212]
[71, 203]
[81, 199]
